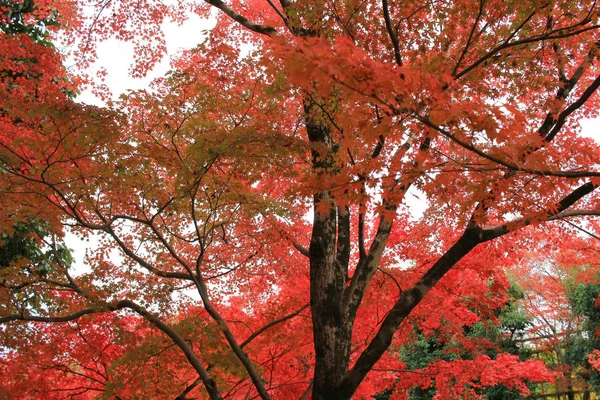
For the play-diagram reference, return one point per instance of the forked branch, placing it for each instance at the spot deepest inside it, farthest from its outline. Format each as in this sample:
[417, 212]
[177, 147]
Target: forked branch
[410, 298]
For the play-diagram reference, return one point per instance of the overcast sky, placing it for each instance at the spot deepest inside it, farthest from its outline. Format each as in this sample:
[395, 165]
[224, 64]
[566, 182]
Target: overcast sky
[116, 58]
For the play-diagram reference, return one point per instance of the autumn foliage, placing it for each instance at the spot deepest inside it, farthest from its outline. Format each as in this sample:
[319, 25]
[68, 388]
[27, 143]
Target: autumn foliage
[307, 192]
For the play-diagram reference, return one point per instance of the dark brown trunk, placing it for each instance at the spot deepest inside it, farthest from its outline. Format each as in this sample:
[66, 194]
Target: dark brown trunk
[328, 269]
[332, 333]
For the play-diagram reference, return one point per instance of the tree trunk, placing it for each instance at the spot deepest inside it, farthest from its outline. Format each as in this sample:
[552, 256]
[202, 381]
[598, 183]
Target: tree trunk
[331, 328]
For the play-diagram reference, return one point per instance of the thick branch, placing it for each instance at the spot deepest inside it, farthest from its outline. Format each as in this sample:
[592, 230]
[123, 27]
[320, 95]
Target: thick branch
[391, 32]
[407, 302]
[303, 250]
[368, 265]
[245, 22]
[294, 23]
[566, 87]
[278, 11]
[411, 297]
[562, 117]
[243, 357]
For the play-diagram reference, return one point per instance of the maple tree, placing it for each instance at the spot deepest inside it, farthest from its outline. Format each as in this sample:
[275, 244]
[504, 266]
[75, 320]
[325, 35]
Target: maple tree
[561, 300]
[251, 209]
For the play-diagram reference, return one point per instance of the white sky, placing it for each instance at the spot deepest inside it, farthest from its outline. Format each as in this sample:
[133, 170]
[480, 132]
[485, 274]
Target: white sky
[591, 128]
[116, 58]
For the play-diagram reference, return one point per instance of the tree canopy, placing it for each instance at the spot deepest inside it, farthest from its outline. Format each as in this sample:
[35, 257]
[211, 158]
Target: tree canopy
[250, 216]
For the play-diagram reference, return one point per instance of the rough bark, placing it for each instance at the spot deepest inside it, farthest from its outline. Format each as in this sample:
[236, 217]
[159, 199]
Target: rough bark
[332, 332]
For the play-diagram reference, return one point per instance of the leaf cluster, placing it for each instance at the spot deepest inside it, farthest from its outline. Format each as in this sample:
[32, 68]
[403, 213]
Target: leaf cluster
[24, 242]
[16, 17]
[431, 348]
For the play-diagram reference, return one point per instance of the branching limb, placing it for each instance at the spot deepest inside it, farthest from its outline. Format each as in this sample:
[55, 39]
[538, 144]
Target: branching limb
[303, 250]
[470, 39]
[566, 86]
[562, 117]
[366, 267]
[369, 262]
[405, 304]
[574, 30]
[203, 291]
[145, 264]
[209, 383]
[409, 299]
[207, 380]
[245, 22]
[283, 17]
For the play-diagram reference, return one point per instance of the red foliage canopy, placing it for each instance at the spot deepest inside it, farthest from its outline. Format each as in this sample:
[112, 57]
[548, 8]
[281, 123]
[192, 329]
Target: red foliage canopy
[251, 216]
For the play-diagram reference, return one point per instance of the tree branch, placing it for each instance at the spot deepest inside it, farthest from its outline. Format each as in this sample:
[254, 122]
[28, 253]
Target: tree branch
[179, 341]
[207, 380]
[468, 44]
[262, 29]
[368, 263]
[548, 214]
[63, 318]
[278, 11]
[303, 250]
[574, 213]
[566, 86]
[556, 34]
[411, 297]
[367, 266]
[406, 303]
[391, 32]
[562, 117]
[510, 166]
[343, 237]
[188, 389]
[143, 263]
[271, 324]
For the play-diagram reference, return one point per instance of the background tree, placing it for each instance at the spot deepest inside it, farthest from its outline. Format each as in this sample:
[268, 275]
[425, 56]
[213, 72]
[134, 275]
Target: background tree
[486, 338]
[566, 335]
[278, 176]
